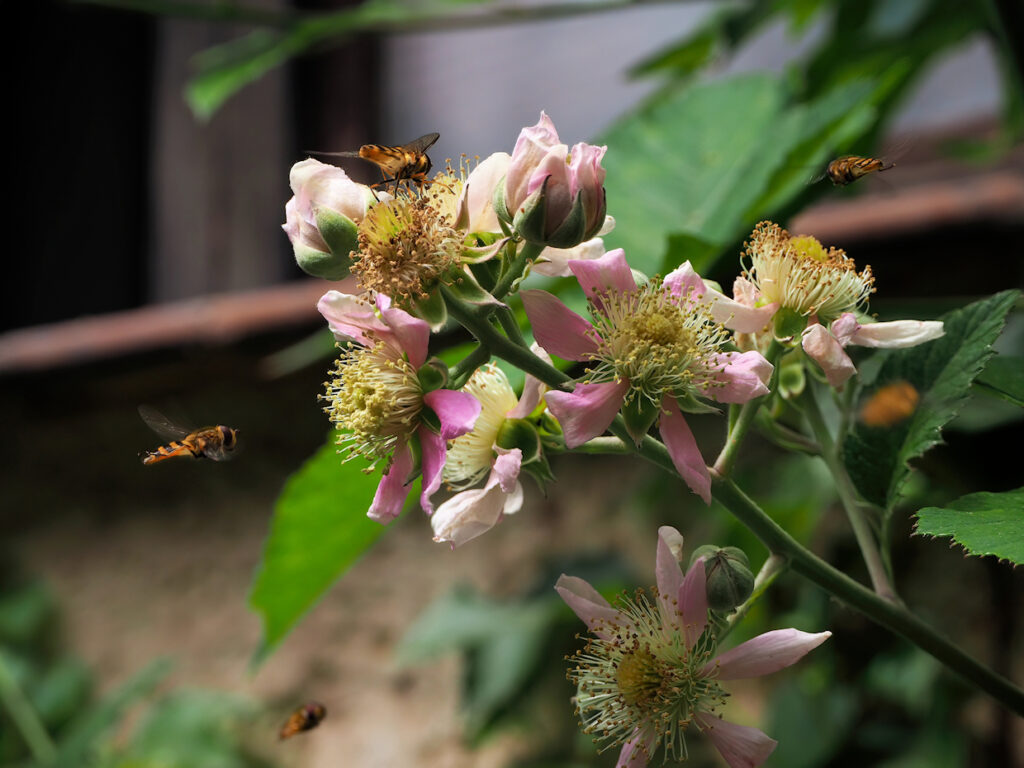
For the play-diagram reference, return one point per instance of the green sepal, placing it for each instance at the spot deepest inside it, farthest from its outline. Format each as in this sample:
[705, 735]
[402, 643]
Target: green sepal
[432, 309]
[729, 579]
[339, 232]
[498, 200]
[640, 415]
[688, 403]
[788, 323]
[316, 263]
[521, 434]
[530, 220]
[433, 375]
[431, 420]
[464, 286]
[792, 374]
[416, 451]
[540, 471]
[573, 229]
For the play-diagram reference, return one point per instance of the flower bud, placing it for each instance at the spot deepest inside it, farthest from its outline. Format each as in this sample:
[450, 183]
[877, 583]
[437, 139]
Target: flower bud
[729, 580]
[321, 217]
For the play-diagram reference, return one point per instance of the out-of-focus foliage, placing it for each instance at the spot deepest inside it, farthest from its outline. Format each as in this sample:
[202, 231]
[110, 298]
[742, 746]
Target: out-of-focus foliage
[983, 523]
[1003, 377]
[942, 372]
[319, 529]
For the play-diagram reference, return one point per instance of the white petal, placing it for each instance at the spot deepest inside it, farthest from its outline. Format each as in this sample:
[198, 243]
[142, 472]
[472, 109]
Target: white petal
[765, 654]
[897, 334]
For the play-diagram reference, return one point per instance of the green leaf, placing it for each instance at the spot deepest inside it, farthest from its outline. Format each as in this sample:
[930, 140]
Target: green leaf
[942, 372]
[982, 523]
[695, 165]
[319, 529]
[1003, 377]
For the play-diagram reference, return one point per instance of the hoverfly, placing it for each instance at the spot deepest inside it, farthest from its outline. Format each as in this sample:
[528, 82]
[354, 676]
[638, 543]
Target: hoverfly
[408, 162]
[847, 169]
[302, 719]
[890, 405]
[215, 443]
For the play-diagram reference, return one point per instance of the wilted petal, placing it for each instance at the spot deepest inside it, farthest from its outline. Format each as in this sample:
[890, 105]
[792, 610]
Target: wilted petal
[533, 388]
[505, 470]
[741, 746]
[587, 411]
[609, 272]
[823, 348]
[476, 203]
[742, 377]
[433, 447]
[352, 318]
[693, 602]
[669, 578]
[554, 262]
[765, 654]
[557, 328]
[682, 446]
[636, 752]
[587, 603]
[468, 514]
[456, 410]
[390, 497]
[897, 333]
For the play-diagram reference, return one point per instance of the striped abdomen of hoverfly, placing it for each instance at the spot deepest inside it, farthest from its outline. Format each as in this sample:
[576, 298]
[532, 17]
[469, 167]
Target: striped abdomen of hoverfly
[846, 170]
[398, 162]
[209, 442]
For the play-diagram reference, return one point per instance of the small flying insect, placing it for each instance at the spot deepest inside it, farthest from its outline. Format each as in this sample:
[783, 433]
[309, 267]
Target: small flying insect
[408, 162]
[215, 443]
[847, 169]
[304, 718]
[890, 405]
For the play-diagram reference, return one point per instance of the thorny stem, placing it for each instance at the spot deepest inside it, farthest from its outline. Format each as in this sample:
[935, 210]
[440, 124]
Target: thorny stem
[25, 718]
[772, 568]
[459, 375]
[514, 270]
[848, 497]
[891, 615]
[738, 429]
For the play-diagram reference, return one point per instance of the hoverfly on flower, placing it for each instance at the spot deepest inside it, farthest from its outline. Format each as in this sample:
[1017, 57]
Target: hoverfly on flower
[408, 162]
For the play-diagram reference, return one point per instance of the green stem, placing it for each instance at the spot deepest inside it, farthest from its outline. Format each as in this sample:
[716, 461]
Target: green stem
[888, 614]
[738, 430]
[848, 497]
[773, 567]
[510, 325]
[25, 718]
[515, 269]
[459, 375]
[605, 445]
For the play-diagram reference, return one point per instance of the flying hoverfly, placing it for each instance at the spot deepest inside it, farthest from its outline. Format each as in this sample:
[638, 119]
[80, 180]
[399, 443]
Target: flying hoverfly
[304, 718]
[215, 442]
[847, 169]
[890, 405]
[408, 162]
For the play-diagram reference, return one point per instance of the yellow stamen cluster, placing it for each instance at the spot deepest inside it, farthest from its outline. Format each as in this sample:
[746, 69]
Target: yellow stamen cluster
[802, 275]
[638, 673]
[470, 456]
[662, 344]
[407, 243]
[375, 398]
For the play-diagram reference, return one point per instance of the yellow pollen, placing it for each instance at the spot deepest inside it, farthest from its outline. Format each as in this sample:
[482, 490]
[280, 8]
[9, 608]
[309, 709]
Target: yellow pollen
[639, 676]
[808, 247]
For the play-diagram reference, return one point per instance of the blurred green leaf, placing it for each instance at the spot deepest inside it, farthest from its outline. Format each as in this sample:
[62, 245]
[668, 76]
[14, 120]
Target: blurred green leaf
[982, 523]
[319, 529]
[942, 372]
[61, 691]
[809, 726]
[1003, 377]
[24, 614]
[695, 162]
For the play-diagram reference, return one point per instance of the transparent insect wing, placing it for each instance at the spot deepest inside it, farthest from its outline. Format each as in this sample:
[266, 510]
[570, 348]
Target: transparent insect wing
[422, 144]
[160, 424]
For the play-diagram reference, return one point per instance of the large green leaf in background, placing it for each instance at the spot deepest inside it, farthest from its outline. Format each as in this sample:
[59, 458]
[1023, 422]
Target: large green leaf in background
[703, 164]
[319, 529]
[942, 372]
[982, 523]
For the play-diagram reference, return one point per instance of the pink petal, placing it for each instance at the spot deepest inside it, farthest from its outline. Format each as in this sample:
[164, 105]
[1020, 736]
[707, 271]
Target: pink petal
[742, 747]
[352, 318]
[636, 752]
[586, 178]
[557, 328]
[606, 273]
[533, 389]
[505, 470]
[684, 281]
[844, 327]
[765, 654]
[744, 292]
[682, 446]
[823, 348]
[740, 316]
[897, 334]
[693, 602]
[587, 603]
[670, 578]
[433, 448]
[457, 411]
[587, 411]
[742, 377]
[553, 171]
[390, 497]
[531, 147]
[468, 514]
[412, 333]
